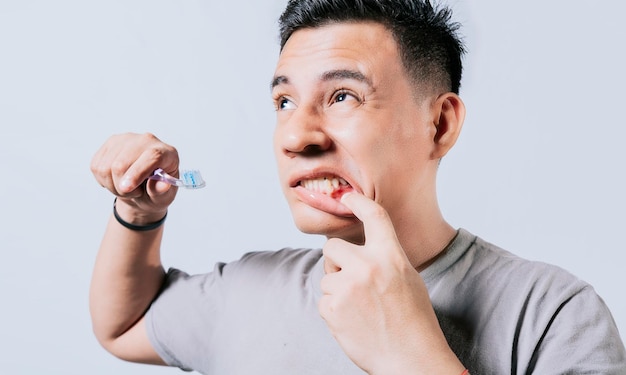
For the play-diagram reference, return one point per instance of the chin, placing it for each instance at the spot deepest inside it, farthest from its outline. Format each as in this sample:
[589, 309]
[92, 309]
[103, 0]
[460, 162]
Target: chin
[330, 226]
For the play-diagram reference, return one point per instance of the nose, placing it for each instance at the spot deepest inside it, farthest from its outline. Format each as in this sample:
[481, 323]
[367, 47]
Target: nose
[302, 133]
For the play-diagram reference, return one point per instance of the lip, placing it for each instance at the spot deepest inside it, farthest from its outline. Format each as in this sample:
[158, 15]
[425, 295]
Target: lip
[319, 200]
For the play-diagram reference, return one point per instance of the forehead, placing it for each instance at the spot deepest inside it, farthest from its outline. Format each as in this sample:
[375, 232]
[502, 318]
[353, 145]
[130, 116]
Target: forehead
[367, 47]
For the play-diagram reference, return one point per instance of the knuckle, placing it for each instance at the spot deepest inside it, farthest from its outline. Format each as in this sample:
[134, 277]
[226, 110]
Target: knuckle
[149, 137]
[161, 151]
[118, 167]
[99, 169]
[174, 152]
[155, 153]
[156, 150]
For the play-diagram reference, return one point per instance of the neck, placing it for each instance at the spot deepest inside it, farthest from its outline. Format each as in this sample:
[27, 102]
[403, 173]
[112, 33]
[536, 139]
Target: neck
[423, 236]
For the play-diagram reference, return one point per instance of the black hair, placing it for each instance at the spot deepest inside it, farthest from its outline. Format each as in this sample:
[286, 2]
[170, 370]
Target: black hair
[427, 39]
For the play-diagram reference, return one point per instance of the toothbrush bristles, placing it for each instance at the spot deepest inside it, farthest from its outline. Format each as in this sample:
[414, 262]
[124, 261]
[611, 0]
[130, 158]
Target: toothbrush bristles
[192, 179]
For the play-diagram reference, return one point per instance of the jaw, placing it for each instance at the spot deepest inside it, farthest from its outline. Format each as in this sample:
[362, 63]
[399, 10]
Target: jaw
[311, 220]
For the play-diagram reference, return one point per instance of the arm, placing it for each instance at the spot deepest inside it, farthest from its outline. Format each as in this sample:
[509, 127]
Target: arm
[128, 273]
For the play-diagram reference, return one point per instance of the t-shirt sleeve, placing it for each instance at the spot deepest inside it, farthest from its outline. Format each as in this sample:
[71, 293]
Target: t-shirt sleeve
[175, 319]
[581, 338]
[198, 322]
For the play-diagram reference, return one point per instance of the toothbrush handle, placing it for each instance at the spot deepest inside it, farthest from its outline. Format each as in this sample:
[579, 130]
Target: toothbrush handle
[160, 175]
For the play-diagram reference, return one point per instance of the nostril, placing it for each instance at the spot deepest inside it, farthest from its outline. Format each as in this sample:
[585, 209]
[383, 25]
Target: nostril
[312, 150]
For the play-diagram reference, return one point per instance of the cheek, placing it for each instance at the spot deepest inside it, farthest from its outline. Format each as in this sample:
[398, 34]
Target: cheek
[398, 160]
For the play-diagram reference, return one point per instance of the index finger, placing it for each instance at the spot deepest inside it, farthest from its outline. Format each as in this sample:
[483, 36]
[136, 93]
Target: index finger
[377, 224]
[149, 160]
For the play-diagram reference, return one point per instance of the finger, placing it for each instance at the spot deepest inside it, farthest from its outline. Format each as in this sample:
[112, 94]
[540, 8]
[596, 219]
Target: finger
[101, 167]
[157, 188]
[158, 156]
[376, 222]
[328, 284]
[338, 253]
[112, 160]
[330, 266]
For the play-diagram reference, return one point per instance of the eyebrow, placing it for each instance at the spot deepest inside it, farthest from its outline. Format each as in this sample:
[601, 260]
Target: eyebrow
[331, 75]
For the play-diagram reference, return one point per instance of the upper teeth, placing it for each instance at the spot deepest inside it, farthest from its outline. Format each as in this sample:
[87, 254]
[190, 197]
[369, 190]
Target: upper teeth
[324, 184]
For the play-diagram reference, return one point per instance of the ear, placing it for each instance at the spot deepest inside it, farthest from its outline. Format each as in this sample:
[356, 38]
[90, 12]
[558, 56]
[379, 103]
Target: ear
[448, 117]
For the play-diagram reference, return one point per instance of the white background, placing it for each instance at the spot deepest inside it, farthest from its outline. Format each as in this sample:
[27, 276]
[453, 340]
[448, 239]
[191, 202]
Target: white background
[539, 168]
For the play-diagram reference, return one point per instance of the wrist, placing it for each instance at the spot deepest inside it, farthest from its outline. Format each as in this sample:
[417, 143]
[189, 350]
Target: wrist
[135, 219]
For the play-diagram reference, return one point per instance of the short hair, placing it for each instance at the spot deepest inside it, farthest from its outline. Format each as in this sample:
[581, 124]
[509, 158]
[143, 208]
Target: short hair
[428, 41]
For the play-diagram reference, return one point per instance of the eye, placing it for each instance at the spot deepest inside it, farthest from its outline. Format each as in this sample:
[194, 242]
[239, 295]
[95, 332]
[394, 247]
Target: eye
[344, 96]
[284, 104]
[341, 97]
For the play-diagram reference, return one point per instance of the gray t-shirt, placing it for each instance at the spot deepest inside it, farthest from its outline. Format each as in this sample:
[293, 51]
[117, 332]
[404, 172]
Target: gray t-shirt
[501, 315]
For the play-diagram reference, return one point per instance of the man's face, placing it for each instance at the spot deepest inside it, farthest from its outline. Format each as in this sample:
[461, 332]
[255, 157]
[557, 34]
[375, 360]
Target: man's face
[348, 119]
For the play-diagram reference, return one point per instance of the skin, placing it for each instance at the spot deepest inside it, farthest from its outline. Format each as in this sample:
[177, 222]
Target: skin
[345, 108]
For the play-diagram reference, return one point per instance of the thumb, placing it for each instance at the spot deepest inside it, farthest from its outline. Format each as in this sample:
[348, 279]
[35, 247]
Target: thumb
[158, 188]
[160, 191]
[377, 224]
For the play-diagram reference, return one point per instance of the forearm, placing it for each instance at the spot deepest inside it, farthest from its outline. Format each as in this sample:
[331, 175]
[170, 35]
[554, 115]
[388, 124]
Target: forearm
[127, 277]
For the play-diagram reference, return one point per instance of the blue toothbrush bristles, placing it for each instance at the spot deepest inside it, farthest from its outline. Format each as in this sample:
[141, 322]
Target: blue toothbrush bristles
[192, 179]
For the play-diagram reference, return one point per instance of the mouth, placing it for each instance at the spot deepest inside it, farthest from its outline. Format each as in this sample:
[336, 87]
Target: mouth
[331, 186]
[322, 190]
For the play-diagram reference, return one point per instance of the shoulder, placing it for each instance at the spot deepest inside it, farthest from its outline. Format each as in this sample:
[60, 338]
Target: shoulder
[542, 299]
[554, 321]
[492, 280]
[493, 262]
[486, 269]
[266, 263]
[258, 267]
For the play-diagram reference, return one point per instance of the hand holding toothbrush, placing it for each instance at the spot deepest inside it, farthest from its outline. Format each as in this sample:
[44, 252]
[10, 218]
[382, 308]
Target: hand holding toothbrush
[124, 165]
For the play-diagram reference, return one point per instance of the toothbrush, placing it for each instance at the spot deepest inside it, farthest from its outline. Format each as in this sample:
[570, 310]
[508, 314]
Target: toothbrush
[190, 179]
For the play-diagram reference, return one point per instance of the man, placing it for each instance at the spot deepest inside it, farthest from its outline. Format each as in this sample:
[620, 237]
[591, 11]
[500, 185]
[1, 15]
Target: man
[366, 94]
